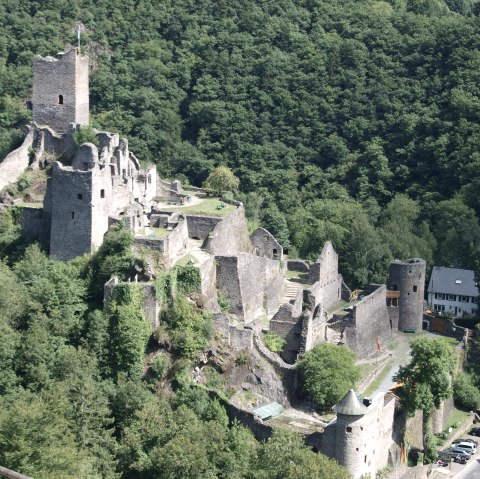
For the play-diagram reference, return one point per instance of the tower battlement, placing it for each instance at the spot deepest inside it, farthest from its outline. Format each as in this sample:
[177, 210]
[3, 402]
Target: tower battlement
[60, 90]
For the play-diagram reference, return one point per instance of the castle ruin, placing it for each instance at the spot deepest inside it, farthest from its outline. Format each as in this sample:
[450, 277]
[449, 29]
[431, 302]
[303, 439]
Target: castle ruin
[105, 184]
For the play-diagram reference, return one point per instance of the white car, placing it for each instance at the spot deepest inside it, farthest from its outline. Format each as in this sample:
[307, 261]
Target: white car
[466, 446]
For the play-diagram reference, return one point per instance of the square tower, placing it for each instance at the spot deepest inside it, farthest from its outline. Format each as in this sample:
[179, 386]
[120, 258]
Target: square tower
[60, 90]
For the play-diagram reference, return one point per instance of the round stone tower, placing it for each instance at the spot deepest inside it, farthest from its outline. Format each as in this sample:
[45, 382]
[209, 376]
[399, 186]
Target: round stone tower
[408, 277]
[351, 443]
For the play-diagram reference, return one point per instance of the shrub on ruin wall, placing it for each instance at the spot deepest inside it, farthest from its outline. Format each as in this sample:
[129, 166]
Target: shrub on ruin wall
[85, 135]
[189, 329]
[188, 278]
[274, 342]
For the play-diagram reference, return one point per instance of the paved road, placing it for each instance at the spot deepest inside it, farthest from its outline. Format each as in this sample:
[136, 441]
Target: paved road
[471, 470]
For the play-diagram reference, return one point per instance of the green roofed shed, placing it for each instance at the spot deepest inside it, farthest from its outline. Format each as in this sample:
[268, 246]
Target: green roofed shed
[268, 411]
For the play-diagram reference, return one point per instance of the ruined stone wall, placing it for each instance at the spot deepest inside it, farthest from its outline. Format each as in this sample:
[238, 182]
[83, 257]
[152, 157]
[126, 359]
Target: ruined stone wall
[35, 225]
[286, 324]
[228, 283]
[17, 161]
[327, 283]
[60, 90]
[155, 244]
[240, 339]
[298, 265]
[208, 284]
[199, 227]
[264, 244]
[151, 307]
[372, 322]
[230, 236]
[251, 283]
[177, 241]
[261, 282]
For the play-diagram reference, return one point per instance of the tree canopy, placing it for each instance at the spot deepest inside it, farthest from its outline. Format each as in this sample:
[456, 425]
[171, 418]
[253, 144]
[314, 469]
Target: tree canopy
[428, 378]
[327, 372]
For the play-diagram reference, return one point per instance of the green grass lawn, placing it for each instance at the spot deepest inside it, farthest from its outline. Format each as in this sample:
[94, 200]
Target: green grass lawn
[207, 207]
[381, 376]
[154, 232]
[185, 259]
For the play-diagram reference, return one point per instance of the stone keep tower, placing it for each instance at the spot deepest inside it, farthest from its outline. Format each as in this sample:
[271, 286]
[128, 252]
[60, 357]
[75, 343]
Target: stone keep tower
[352, 445]
[408, 277]
[363, 433]
[60, 90]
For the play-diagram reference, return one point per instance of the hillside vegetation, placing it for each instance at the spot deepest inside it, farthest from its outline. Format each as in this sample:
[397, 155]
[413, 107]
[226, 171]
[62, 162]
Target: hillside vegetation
[355, 121]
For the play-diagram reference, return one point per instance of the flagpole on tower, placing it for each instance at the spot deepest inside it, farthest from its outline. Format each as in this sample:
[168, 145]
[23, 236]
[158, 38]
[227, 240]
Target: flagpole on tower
[78, 37]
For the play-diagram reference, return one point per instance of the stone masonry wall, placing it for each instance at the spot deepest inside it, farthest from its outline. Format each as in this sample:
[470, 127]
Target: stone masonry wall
[35, 225]
[230, 236]
[252, 284]
[71, 224]
[228, 283]
[266, 245]
[208, 284]
[60, 90]
[16, 162]
[199, 227]
[240, 339]
[372, 322]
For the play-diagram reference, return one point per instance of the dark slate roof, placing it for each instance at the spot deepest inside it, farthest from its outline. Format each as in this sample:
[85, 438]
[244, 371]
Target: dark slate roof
[452, 281]
[350, 405]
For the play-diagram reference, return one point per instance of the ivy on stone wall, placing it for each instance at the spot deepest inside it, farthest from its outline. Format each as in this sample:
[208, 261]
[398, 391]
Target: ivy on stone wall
[129, 328]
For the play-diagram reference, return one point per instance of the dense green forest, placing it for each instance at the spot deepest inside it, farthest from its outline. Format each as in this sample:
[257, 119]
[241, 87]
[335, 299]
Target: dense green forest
[354, 121]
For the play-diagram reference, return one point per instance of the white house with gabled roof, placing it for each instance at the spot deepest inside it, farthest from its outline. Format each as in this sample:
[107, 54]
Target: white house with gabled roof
[452, 290]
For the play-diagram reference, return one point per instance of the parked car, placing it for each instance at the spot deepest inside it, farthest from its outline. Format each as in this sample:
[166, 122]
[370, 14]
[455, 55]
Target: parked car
[460, 459]
[466, 440]
[475, 431]
[467, 446]
[453, 451]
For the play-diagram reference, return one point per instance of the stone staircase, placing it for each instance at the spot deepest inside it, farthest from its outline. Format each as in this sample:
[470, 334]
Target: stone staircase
[290, 291]
[194, 247]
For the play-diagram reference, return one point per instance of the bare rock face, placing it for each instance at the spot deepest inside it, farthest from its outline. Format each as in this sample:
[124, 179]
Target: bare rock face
[260, 378]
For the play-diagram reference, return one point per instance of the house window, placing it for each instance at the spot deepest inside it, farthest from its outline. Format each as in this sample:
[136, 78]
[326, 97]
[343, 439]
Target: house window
[451, 297]
[463, 299]
[439, 307]
[439, 296]
[79, 196]
[102, 193]
[473, 299]
[474, 311]
[60, 99]
[73, 215]
[414, 288]
[348, 429]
